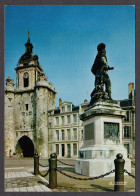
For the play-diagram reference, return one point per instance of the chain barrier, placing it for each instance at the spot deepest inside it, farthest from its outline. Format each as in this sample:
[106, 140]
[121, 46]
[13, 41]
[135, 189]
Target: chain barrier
[44, 174]
[133, 163]
[92, 178]
[129, 173]
[65, 163]
[43, 165]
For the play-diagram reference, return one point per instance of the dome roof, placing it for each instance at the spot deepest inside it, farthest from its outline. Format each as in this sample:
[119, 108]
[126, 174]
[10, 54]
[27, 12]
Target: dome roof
[28, 55]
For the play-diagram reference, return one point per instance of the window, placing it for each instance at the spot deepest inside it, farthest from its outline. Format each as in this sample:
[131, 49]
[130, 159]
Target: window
[57, 135]
[127, 116]
[68, 150]
[74, 149]
[130, 116]
[75, 134]
[26, 79]
[62, 119]
[62, 134]
[57, 149]
[68, 134]
[68, 119]
[81, 134]
[57, 120]
[62, 150]
[127, 132]
[69, 108]
[63, 109]
[74, 117]
[26, 106]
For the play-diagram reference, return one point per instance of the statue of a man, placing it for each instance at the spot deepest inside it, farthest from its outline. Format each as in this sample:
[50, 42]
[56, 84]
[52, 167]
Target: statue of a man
[100, 70]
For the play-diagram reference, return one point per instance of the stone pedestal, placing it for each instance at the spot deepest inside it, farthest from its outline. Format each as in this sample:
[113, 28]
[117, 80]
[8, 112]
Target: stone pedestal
[102, 139]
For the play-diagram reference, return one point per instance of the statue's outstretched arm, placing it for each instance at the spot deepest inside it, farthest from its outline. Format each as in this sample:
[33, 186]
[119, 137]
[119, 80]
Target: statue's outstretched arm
[106, 66]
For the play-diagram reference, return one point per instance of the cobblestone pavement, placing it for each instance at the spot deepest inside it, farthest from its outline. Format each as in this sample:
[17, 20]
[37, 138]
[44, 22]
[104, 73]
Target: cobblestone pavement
[23, 180]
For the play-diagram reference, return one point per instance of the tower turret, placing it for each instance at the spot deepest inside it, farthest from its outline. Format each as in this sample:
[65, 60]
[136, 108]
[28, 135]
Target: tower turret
[28, 46]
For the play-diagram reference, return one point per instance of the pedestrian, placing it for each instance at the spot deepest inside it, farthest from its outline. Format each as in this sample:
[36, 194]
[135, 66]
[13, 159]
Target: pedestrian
[10, 153]
[21, 154]
[16, 153]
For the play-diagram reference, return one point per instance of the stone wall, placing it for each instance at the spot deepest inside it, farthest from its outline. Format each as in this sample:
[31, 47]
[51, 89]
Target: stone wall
[26, 114]
[45, 99]
[9, 122]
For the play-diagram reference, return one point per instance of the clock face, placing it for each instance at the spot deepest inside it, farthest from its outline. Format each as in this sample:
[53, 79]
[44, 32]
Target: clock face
[26, 75]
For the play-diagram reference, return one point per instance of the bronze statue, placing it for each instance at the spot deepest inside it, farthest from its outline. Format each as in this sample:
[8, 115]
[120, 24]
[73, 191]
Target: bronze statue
[100, 70]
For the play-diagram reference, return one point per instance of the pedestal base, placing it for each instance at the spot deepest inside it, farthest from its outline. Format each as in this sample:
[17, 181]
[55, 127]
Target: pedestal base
[100, 160]
[102, 123]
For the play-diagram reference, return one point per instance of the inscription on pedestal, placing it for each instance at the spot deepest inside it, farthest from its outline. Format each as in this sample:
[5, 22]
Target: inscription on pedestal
[111, 130]
[89, 131]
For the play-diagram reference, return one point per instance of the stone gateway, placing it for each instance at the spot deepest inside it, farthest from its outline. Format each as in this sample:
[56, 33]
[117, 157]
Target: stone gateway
[26, 107]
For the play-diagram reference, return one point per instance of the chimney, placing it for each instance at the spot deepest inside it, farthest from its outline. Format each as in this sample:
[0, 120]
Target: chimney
[130, 90]
[60, 103]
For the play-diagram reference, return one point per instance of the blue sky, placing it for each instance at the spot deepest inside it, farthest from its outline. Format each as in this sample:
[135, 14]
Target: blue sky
[65, 38]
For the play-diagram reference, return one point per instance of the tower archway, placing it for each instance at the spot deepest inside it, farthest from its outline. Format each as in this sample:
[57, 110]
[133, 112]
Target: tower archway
[25, 146]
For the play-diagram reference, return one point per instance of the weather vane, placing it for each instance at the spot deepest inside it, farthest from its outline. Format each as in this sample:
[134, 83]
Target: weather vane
[28, 33]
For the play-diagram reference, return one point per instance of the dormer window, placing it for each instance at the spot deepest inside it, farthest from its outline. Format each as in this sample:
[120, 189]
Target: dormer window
[63, 109]
[26, 79]
[69, 108]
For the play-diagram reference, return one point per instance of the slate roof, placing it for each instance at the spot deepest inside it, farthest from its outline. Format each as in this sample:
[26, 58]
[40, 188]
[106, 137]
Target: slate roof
[57, 111]
[74, 108]
[126, 103]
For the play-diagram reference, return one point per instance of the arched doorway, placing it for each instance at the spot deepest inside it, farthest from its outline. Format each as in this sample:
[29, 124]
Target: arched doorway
[25, 146]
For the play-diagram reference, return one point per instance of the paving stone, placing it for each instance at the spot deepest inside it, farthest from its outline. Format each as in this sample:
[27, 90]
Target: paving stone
[20, 185]
[31, 189]
[45, 188]
[38, 188]
[15, 189]
[30, 183]
[9, 185]
[55, 190]
[9, 190]
[23, 189]
[35, 183]
[14, 185]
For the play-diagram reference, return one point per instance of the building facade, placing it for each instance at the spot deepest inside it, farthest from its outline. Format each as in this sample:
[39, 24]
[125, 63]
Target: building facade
[66, 129]
[27, 106]
[129, 121]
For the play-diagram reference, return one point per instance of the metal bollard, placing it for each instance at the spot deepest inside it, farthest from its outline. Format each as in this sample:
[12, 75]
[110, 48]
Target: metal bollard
[53, 172]
[119, 173]
[36, 164]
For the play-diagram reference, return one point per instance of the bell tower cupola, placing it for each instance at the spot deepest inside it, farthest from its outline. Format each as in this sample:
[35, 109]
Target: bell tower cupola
[28, 46]
[28, 68]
